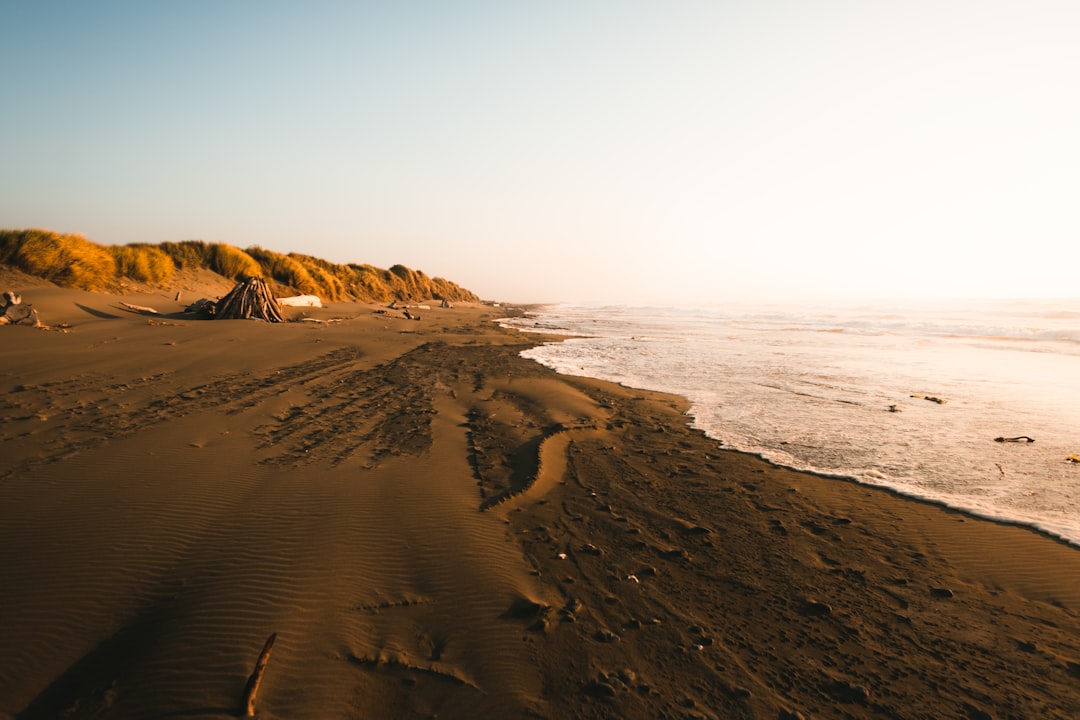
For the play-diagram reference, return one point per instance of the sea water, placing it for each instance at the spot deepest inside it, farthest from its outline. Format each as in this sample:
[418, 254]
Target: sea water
[907, 396]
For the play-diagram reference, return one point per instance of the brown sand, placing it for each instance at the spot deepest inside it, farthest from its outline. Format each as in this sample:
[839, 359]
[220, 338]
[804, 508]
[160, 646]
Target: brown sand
[434, 526]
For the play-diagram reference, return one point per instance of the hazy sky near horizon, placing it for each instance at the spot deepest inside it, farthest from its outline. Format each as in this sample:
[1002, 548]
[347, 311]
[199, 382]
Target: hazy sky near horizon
[587, 151]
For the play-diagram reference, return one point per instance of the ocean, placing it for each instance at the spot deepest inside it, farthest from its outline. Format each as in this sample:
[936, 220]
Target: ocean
[908, 396]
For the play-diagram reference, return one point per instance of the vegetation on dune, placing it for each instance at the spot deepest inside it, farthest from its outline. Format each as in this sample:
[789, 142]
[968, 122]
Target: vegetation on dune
[286, 270]
[144, 263]
[225, 260]
[67, 260]
[73, 261]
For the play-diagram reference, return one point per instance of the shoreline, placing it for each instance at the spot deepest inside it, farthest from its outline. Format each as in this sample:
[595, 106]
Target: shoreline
[1044, 527]
[434, 525]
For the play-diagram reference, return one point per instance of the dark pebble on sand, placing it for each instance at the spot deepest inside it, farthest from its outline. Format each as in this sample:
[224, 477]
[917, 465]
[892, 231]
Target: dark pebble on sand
[846, 692]
[599, 688]
[814, 608]
[940, 592]
[540, 626]
[606, 636]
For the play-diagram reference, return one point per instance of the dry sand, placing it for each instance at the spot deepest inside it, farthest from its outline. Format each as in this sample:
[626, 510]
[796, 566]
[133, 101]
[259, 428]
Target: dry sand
[434, 526]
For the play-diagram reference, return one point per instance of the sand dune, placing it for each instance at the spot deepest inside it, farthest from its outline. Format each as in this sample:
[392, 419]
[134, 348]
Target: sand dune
[434, 526]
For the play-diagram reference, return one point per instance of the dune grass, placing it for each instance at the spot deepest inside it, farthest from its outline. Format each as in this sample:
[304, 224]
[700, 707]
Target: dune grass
[67, 260]
[143, 263]
[73, 261]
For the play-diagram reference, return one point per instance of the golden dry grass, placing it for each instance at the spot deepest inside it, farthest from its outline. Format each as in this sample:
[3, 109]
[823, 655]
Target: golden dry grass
[144, 263]
[67, 260]
[73, 261]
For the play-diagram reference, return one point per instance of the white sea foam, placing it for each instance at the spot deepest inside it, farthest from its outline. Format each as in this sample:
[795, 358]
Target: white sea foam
[812, 388]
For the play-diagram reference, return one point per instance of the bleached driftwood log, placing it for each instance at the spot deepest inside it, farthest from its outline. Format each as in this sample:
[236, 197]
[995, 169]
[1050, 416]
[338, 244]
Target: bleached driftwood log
[141, 309]
[301, 301]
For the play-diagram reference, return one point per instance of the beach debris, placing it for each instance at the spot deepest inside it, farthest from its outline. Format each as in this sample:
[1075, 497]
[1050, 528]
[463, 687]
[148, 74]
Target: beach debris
[894, 408]
[140, 309]
[1018, 438]
[816, 608]
[942, 592]
[301, 301]
[975, 713]
[606, 636]
[600, 688]
[1073, 459]
[249, 299]
[251, 690]
[446, 304]
[931, 398]
[845, 691]
[16, 313]
[204, 306]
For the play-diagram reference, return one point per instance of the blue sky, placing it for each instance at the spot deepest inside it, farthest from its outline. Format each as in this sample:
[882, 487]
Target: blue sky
[577, 151]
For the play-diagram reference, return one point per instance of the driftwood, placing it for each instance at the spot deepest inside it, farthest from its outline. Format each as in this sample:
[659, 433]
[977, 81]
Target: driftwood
[1019, 438]
[251, 690]
[205, 306]
[141, 309]
[14, 312]
[301, 301]
[251, 298]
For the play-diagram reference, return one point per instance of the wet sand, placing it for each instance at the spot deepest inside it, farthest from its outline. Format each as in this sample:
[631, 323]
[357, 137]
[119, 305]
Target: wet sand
[434, 526]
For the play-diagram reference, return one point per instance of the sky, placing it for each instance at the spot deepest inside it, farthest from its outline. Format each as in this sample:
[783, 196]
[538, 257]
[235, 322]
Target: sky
[576, 151]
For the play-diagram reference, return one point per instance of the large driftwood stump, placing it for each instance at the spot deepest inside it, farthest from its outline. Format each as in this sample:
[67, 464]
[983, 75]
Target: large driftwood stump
[251, 690]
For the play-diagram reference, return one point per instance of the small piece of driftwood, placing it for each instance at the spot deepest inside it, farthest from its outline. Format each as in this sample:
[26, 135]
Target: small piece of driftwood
[252, 687]
[1018, 438]
[140, 308]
